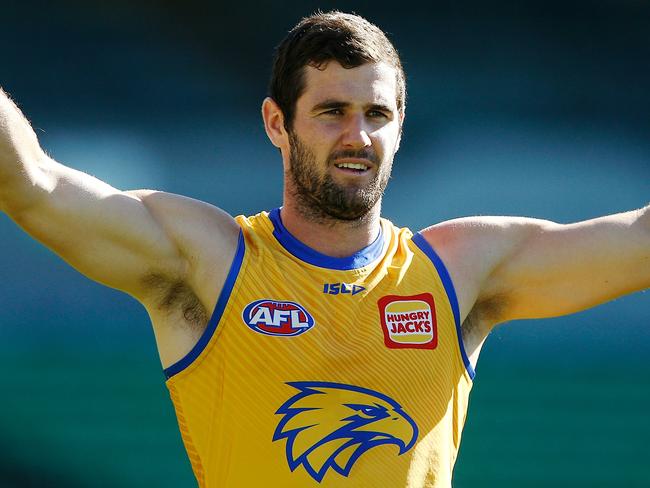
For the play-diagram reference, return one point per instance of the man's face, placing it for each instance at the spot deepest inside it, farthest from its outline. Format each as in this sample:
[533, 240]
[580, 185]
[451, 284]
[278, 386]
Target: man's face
[345, 133]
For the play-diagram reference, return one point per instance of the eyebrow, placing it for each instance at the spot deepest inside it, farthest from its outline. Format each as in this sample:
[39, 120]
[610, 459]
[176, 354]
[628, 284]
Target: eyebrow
[330, 104]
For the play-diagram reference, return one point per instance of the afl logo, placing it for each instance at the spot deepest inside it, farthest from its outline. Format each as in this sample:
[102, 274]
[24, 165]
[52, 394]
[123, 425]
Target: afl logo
[272, 317]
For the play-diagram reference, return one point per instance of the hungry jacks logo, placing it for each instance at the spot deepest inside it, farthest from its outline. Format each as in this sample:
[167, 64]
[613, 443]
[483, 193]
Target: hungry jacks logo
[409, 321]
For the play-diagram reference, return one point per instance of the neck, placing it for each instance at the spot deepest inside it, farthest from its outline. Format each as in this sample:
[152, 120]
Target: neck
[332, 237]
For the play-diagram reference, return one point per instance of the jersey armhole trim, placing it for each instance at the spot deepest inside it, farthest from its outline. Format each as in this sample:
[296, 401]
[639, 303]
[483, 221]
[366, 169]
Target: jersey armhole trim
[426, 248]
[216, 314]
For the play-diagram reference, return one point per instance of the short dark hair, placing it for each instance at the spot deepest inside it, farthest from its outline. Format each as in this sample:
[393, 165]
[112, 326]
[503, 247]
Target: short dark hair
[346, 38]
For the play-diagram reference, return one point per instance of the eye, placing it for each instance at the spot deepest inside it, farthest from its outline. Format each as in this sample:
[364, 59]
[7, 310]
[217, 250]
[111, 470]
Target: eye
[377, 114]
[334, 111]
[369, 411]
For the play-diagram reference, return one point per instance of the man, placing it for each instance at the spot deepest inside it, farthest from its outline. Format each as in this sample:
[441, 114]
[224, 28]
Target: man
[286, 336]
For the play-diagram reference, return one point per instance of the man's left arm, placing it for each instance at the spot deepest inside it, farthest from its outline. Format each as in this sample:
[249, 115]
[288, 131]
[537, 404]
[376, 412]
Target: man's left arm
[544, 269]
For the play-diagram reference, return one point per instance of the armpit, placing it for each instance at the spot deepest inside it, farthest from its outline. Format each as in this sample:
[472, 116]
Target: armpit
[175, 297]
[480, 321]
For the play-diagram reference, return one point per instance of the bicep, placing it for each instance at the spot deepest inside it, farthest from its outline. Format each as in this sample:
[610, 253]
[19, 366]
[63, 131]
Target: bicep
[555, 269]
[107, 234]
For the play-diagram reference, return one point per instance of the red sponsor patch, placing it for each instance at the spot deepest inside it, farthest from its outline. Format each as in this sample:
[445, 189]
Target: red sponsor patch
[409, 322]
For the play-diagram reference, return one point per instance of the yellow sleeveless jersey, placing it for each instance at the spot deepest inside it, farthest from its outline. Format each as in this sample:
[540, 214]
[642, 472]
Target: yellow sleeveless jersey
[317, 371]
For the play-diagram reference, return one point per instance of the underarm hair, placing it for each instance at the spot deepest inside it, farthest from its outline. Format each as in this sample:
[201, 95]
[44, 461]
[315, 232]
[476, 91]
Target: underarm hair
[485, 313]
[173, 295]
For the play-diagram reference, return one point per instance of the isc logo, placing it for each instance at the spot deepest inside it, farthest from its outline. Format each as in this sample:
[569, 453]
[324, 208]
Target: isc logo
[342, 288]
[276, 318]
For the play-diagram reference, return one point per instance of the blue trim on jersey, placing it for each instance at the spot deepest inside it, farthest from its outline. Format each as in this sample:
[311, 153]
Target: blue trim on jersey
[216, 315]
[358, 260]
[426, 248]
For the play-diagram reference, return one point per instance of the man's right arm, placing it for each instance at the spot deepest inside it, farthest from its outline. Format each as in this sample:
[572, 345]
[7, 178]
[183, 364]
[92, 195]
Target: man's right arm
[116, 238]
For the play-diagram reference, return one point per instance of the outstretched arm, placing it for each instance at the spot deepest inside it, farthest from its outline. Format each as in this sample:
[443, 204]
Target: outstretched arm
[562, 269]
[118, 238]
[509, 268]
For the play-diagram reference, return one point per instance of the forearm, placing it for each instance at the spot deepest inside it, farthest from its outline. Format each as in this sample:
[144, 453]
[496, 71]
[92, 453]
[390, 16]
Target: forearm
[22, 180]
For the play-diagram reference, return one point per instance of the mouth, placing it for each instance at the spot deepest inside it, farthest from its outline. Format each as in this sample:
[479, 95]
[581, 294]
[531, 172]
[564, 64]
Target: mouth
[353, 166]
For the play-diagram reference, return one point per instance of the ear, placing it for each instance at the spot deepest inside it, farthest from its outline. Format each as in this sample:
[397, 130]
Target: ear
[274, 123]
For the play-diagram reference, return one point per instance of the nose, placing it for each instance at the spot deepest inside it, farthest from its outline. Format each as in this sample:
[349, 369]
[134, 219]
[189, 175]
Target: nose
[356, 133]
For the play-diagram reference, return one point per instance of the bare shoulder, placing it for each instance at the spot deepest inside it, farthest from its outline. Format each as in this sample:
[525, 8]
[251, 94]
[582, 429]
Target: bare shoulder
[188, 220]
[472, 248]
[507, 268]
[206, 237]
[168, 206]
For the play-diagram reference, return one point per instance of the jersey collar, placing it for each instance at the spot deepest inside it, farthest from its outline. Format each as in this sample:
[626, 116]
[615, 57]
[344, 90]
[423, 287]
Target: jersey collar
[305, 253]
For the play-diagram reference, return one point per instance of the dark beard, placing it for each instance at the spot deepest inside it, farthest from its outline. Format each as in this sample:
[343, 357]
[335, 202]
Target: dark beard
[321, 198]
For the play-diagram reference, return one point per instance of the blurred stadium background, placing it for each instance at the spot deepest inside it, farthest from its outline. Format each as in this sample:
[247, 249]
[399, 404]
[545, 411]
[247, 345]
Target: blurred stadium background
[528, 108]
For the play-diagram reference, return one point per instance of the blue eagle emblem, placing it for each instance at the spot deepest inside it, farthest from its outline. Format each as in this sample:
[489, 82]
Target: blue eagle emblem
[329, 425]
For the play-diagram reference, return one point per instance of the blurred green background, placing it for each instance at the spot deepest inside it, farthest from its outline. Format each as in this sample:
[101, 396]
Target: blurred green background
[530, 108]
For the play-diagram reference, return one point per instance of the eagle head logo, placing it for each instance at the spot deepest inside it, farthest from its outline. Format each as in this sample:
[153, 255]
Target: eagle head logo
[329, 425]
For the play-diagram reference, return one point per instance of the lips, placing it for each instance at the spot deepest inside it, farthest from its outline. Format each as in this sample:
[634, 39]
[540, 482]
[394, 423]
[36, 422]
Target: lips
[357, 166]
